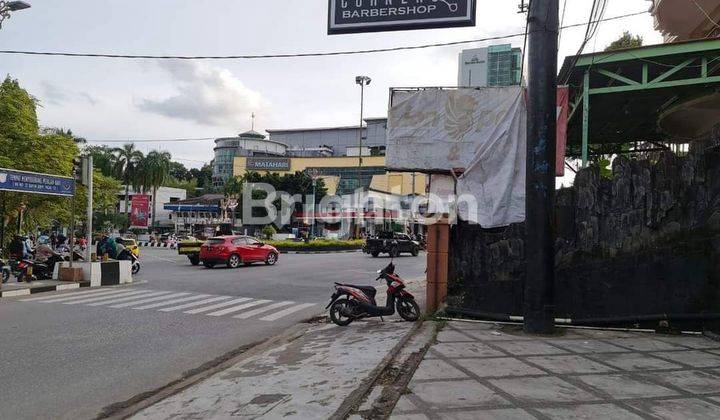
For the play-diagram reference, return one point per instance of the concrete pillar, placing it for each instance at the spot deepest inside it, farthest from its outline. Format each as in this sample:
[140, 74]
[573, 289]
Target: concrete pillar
[438, 241]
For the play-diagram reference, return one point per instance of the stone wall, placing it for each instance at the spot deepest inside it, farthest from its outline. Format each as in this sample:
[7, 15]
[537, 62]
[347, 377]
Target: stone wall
[644, 241]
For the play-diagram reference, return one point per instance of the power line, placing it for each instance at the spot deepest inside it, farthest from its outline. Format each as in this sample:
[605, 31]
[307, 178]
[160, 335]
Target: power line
[153, 140]
[295, 55]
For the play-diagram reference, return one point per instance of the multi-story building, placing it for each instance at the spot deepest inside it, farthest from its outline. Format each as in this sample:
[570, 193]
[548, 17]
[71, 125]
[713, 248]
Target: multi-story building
[496, 65]
[250, 143]
[342, 141]
[684, 20]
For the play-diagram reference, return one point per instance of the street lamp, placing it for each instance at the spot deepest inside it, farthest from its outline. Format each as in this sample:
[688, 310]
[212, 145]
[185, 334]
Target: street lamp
[10, 6]
[314, 174]
[362, 81]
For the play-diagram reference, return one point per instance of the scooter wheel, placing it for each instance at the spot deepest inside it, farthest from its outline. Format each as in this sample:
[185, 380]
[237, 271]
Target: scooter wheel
[135, 268]
[408, 309]
[338, 312]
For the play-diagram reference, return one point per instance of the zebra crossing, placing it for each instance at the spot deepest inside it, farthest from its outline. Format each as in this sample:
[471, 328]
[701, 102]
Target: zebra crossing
[188, 303]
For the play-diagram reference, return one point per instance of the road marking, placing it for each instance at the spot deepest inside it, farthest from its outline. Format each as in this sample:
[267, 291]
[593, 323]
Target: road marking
[171, 302]
[286, 312]
[238, 308]
[115, 299]
[246, 315]
[216, 306]
[148, 300]
[192, 304]
[96, 298]
[75, 295]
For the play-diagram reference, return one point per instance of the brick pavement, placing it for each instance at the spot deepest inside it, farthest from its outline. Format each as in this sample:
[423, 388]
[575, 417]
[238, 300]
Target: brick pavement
[484, 371]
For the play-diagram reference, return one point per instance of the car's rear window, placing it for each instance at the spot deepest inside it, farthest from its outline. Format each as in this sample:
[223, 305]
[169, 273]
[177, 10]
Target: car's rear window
[216, 241]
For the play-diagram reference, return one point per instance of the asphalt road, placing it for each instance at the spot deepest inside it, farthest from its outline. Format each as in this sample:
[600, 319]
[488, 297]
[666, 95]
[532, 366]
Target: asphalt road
[71, 357]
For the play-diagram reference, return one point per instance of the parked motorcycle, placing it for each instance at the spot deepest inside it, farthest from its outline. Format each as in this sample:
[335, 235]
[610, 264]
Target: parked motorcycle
[352, 302]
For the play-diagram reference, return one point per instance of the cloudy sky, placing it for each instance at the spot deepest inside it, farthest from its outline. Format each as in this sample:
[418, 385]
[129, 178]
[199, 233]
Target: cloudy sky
[113, 99]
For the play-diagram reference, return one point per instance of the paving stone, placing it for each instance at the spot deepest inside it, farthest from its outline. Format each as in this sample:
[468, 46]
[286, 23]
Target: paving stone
[607, 334]
[635, 361]
[645, 344]
[472, 326]
[626, 386]
[692, 381]
[502, 414]
[448, 336]
[404, 405]
[497, 335]
[685, 409]
[437, 369]
[546, 389]
[569, 364]
[590, 412]
[695, 358]
[524, 348]
[409, 417]
[499, 367]
[454, 350]
[691, 341]
[449, 394]
[588, 346]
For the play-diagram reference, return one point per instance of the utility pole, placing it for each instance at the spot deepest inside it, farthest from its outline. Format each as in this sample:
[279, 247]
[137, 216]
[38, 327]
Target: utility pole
[88, 173]
[540, 170]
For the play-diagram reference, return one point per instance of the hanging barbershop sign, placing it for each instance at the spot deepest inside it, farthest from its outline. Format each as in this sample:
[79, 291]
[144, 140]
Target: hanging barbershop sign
[354, 16]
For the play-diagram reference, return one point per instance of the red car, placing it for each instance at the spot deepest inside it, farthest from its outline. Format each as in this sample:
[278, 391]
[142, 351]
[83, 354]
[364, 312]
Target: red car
[236, 250]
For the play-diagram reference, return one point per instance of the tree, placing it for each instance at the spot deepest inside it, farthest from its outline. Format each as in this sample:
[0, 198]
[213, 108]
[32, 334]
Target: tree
[179, 171]
[23, 147]
[203, 177]
[104, 159]
[155, 169]
[627, 40]
[126, 164]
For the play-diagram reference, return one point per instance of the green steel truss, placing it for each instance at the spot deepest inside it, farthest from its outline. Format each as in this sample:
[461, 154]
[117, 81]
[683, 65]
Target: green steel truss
[699, 63]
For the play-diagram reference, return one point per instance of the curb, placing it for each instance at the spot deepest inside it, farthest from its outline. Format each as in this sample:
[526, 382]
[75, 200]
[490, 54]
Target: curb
[321, 252]
[357, 396]
[156, 245]
[43, 289]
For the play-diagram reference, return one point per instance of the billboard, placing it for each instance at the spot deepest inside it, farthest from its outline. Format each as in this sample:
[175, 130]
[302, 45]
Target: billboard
[31, 182]
[353, 16]
[268, 164]
[139, 211]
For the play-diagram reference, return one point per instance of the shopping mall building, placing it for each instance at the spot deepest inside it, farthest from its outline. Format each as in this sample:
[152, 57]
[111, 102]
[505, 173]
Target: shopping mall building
[333, 155]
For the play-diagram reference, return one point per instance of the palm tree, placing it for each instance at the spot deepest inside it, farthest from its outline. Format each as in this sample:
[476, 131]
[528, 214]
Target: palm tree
[126, 168]
[155, 169]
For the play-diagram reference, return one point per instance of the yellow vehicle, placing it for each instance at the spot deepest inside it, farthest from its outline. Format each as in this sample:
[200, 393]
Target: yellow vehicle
[131, 245]
[190, 246]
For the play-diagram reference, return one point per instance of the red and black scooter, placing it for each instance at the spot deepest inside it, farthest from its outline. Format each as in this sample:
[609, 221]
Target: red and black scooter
[352, 302]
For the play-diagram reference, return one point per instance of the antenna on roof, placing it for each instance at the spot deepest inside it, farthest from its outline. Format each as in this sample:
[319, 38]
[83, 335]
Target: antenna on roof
[253, 121]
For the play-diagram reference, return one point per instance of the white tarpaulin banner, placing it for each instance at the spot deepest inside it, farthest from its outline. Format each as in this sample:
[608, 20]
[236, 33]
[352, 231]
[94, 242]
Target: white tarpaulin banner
[480, 130]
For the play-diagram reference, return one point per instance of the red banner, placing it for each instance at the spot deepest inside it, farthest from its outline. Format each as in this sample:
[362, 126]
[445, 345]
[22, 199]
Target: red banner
[563, 96]
[139, 211]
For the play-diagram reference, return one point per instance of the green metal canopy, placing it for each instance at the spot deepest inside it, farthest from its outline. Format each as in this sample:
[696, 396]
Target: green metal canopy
[617, 96]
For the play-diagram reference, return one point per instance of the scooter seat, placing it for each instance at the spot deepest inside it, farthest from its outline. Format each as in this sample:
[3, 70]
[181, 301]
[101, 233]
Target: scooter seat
[368, 290]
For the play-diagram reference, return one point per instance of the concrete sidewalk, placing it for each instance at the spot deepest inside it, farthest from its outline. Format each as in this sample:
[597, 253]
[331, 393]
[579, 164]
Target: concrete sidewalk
[307, 378]
[485, 371]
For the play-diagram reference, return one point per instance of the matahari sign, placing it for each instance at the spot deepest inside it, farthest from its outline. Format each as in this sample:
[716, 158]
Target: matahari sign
[352, 16]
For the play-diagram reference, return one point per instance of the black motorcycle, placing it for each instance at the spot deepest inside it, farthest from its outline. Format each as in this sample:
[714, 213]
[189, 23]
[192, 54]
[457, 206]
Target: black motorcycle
[352, 302]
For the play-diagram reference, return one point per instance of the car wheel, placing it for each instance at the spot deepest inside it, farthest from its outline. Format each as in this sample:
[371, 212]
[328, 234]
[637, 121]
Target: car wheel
[375, 254]
[209, 265]
[194, 259]
[234, 261]
[271, 258]
[414, 251]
